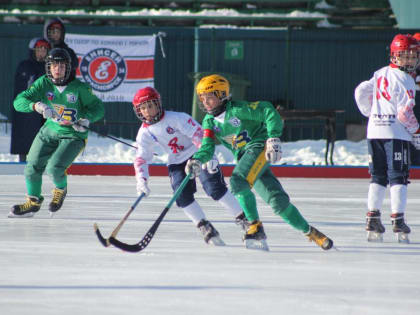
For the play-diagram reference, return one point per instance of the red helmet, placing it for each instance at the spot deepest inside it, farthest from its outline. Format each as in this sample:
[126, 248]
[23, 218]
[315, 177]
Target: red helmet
[148, 95]
[404, 52]
[417, 38]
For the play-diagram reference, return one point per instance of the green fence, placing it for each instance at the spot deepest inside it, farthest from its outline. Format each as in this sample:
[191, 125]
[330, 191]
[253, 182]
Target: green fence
[298, 69]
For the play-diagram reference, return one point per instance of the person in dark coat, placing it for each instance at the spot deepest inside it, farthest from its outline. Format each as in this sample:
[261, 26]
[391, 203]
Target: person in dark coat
[55, 32]
[25, 126]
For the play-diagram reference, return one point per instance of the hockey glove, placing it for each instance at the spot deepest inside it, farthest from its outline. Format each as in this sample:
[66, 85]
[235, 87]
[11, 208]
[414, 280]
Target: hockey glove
[211, 166]
[44, 110]
[193, 167]
[273, 150]
[142, 187]
[81, 124]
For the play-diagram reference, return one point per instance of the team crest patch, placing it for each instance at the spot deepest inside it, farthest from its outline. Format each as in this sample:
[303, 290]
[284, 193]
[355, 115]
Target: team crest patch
[71, 98]
[50, 96]
[235, 122]
[170, 130]
[103, 68]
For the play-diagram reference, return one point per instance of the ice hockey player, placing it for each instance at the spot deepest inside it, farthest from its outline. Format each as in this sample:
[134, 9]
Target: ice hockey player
[251, 130]
[69, 106]
[388, 100]
[179, 135]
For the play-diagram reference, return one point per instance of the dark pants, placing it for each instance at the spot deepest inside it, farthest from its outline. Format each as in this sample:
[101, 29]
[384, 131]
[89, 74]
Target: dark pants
[389, 161]
[213, 184]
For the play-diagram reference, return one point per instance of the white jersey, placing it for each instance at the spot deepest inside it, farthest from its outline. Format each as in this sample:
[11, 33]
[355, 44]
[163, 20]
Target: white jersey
[388, 100]
[177, 133]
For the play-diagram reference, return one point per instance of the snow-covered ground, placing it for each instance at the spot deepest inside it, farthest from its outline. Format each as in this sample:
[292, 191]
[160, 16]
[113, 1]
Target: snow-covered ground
[305, 152]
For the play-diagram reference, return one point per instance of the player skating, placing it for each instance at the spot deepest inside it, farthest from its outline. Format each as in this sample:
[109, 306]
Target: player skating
[68, 105]
[388, 100]
[251, 130]
[180, 136]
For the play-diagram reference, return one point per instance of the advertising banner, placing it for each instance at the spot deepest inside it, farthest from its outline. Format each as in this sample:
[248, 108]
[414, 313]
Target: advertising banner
[114, 66]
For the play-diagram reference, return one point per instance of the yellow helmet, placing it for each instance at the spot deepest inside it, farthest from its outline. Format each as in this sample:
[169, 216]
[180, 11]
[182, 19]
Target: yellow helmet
[214, 83]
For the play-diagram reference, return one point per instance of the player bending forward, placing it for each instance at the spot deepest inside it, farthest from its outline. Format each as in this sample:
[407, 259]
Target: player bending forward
[68, 105]
[180, 136]
[251, 130]
[388, 100]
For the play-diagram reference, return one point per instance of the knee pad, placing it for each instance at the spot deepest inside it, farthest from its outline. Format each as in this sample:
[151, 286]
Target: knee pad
[398, 178]
[380, 180]
[218, 193]
[214, 190]
[32, 173]
[184, 201]
[238, 184]
[279, 202]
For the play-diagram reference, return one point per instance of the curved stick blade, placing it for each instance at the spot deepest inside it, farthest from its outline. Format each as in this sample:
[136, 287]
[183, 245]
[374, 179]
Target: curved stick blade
[101, 239]
[134, 248]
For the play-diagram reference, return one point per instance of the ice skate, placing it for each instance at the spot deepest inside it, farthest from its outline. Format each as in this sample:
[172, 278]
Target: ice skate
[211, 236]
[28, 209]
[57, 200]
[399, 227]
[374, 227]
[319, 238]
[255, 237]
[242, 221]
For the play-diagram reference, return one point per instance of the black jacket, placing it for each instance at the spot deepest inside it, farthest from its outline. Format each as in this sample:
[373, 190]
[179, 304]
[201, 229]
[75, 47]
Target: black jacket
[61, 43]
[25, 126]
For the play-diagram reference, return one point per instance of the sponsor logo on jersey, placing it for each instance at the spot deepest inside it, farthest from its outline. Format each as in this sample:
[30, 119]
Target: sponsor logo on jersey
[71, 98]
[384, 116]
[170, 130]
[103, 68]
[235, 122]
[50, 95]
[64, 113]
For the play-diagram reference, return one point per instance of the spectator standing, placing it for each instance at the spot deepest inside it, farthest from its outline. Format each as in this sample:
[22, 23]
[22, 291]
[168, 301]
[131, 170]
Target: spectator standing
[25, 126]
[55, 32]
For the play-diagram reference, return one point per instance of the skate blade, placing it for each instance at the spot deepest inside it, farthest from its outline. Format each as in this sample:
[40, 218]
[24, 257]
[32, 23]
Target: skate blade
[52, 214]
[402, 238]
[374, 237]
[26, 215]
[256, 244]
[328, 244]
[216, 241]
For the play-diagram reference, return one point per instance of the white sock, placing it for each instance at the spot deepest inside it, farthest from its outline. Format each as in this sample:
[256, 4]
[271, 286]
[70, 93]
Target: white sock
[230, 203]
[194, 212]
[398, 198]
[376, 196]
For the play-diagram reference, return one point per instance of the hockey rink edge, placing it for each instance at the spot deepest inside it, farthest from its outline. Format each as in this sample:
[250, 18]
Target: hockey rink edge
[126, 169]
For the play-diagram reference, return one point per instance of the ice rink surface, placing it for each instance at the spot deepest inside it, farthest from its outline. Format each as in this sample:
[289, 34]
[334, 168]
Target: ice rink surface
[57, 266]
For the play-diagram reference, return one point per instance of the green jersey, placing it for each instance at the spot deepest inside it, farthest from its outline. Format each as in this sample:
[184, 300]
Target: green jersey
[241, 126]
[74, 102]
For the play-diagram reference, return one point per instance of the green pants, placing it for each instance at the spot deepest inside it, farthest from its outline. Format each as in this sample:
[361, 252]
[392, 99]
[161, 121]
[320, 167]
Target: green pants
[252, 170]
[53, 152]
